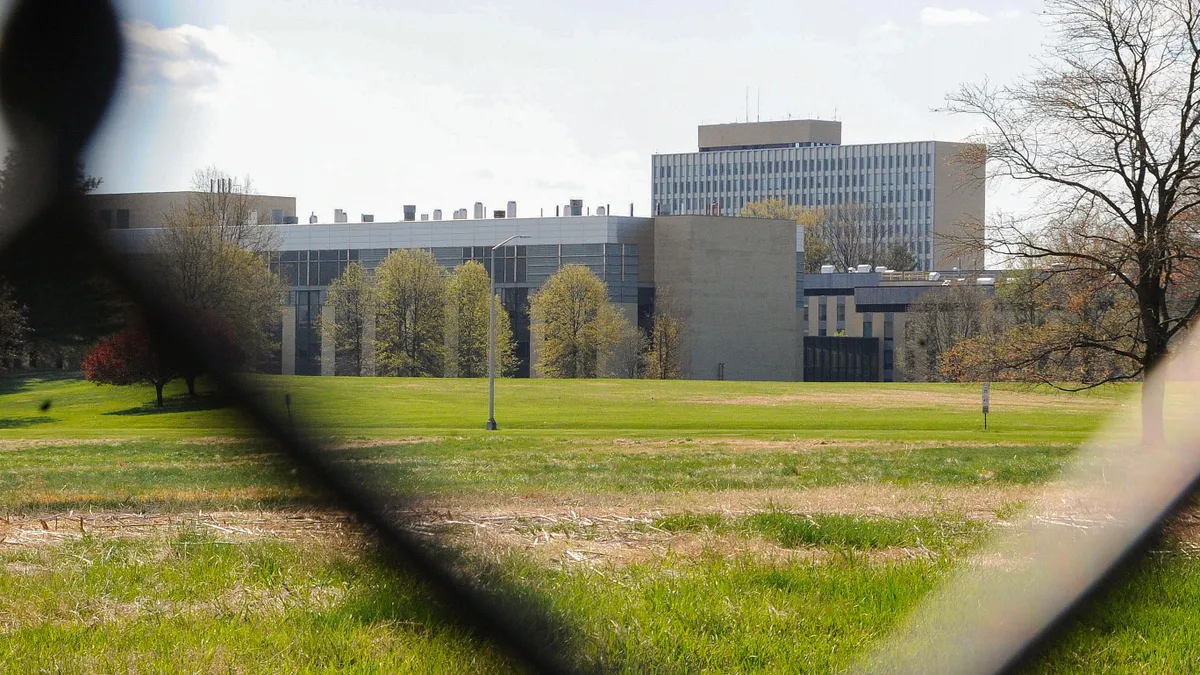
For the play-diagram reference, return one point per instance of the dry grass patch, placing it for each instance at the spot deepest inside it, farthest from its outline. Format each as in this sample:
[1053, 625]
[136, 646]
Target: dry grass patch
[975, 502]
[896, 399]
[794, 445]
[233, 526]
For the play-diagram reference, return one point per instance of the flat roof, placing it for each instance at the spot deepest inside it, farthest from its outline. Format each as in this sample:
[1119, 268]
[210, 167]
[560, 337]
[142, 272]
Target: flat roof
[778, 133]
[437, 233]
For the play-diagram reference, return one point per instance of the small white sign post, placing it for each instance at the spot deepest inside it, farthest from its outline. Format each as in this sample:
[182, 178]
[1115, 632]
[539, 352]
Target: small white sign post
[987, 390]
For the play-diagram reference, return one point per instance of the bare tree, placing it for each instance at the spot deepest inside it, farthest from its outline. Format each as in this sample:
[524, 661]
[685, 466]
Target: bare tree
[856, 234]
[941, 318]
[227, 205]
[1107, 128]
[664, 357]
[627, 359]
[208, 275]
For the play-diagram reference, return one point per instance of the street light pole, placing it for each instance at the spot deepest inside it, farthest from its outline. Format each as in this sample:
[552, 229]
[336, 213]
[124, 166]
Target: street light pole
[491, 423]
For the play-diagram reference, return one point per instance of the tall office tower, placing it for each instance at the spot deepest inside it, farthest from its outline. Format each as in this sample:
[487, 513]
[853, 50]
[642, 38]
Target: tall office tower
[928, 195]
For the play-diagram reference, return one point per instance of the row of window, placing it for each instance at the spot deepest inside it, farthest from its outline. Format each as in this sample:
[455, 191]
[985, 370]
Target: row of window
[615, 264]
[861, 196]
[668, 166]
[716, 206]
[791, 183]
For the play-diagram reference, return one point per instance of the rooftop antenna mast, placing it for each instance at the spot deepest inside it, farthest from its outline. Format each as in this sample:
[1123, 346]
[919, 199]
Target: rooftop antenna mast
[747, 103]
[758, 115]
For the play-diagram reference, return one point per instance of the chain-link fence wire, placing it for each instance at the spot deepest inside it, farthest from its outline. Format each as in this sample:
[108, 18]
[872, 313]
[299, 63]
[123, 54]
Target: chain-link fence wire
[1085, 531]
[59, 67]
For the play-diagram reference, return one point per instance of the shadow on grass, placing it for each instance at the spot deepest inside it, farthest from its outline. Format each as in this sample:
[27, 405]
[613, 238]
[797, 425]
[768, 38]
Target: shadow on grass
[23, 422]
[177, 404]
[14, 383]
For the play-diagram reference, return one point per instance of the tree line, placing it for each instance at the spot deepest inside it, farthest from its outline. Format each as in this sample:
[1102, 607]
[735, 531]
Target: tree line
[413, 318]
[409, 318]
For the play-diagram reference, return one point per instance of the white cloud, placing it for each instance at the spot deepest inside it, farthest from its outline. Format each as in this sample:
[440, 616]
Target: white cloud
[934, 16]
[185, 57]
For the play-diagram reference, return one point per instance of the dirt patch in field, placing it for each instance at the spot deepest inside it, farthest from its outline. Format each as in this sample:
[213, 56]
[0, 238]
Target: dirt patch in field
[360, 444]
[795, 445]
[595, 530]
[29, 444]
[872, 499]
[283, 525]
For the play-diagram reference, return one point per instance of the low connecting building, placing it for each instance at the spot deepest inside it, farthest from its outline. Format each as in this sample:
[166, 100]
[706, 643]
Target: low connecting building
[853, 324]
[734, 281]
[749, 311]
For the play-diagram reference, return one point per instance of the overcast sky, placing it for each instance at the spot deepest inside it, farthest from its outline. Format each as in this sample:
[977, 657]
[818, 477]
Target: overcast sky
[368, 105]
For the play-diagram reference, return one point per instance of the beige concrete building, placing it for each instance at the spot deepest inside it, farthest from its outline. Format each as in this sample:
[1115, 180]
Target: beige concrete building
[735, 286]
[123, 211]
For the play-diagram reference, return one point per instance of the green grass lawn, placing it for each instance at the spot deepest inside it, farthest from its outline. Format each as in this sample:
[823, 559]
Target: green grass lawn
[391, 407]
[671, 526]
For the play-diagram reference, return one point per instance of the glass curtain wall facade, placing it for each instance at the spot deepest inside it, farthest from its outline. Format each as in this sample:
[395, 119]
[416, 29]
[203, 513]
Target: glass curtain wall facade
[895, 181]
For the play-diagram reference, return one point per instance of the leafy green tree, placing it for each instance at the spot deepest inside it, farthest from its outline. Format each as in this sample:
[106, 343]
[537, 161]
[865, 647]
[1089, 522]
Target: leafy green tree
[467, 292]
[574, 326]
[352, 296]
[12, 327]
[410, 326]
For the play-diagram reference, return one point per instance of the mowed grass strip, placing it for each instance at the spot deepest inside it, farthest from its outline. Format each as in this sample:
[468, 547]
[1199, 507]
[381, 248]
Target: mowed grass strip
[182, 475]
[391, 407]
